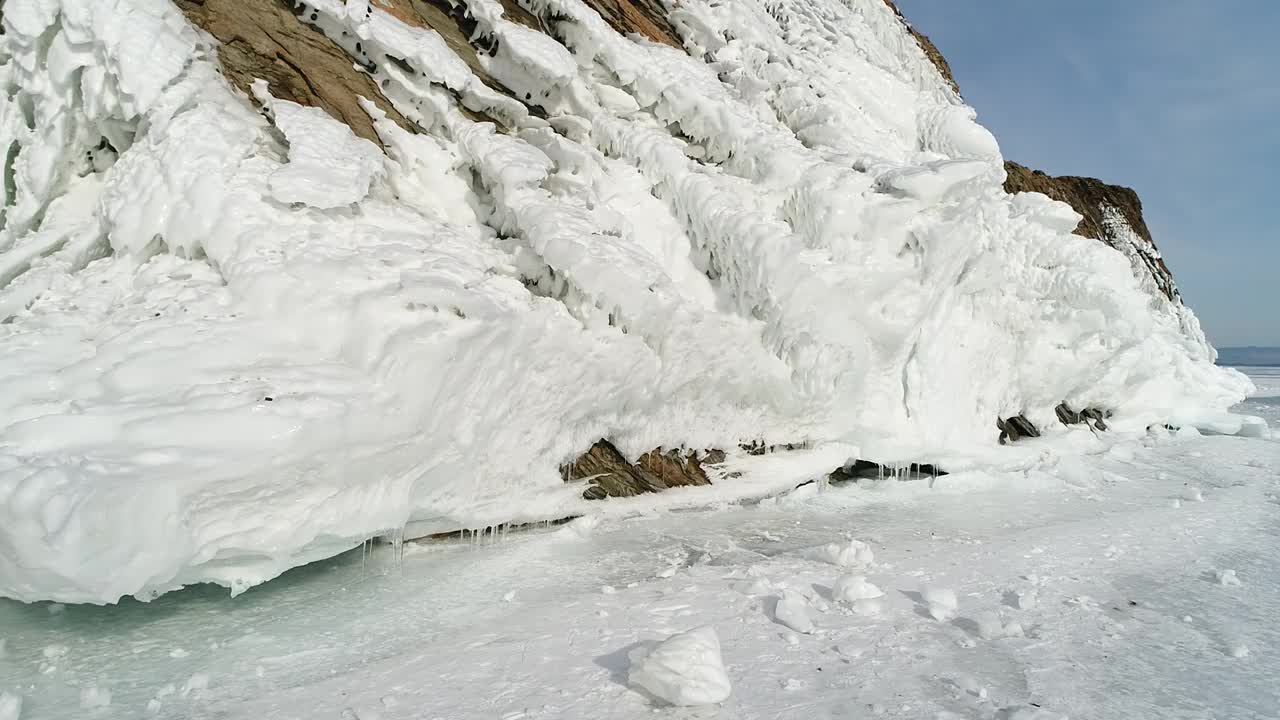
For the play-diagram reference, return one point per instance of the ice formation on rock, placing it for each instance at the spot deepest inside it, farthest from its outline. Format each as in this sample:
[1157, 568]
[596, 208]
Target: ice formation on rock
[236, 337]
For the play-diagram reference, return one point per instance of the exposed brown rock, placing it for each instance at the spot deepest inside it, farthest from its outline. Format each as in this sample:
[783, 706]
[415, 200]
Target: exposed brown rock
[646, 17]
[930, 51]
[611, 475]
[1089, 196]
[457, 29]
[262, 39]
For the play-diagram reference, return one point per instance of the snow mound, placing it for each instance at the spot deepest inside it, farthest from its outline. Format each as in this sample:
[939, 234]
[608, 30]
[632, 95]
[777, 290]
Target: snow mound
[684, 669]
[236, 338]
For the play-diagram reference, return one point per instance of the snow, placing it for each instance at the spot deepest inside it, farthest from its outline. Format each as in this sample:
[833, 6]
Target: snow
[684, 669]
[233, 343]
[328, 166]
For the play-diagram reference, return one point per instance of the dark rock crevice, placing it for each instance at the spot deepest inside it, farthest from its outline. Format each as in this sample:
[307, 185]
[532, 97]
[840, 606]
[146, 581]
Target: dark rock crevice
[1094, 418]
[868, 470]
[1016, 428]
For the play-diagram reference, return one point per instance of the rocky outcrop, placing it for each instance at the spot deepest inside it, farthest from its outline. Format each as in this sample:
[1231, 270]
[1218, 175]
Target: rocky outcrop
[930, 50]
[1092, 417]
[1095, 201]
[263, 39]
[274, 40]
[1016, 428]
[608, 473]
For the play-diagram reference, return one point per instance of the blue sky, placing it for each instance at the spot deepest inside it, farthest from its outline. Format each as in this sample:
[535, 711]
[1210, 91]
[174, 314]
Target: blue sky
[1179, 99]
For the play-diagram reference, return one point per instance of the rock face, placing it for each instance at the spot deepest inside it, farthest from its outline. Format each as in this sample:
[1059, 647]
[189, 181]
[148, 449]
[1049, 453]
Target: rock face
[1100, 204]
[263, 39]
[930, 50]
[273, 40]
[610, 474]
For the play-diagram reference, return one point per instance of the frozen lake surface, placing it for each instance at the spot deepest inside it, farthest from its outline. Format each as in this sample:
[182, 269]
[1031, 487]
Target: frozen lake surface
[1140, 581]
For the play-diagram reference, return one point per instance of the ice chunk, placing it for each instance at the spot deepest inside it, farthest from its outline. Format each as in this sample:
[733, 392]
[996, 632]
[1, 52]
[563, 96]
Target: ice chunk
[940, 602]
[10, 706]
[851, 553]
[792, 610]
[1227, 577]
[94, 696]
[684, 669]
[852, 588]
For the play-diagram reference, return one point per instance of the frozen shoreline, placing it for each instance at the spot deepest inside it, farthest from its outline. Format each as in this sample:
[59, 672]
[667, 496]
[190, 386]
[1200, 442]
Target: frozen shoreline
[1110, 565]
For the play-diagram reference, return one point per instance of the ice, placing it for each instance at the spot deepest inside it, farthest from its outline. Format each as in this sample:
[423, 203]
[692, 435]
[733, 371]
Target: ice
[561, 650]
[792, 610]
[858, 592]
[684, 669]
[940, 602]
[10, 706]
[232, 342]
[328, 166]
[195, 684]
[1028, 712]
[850, 553]
[94, 696]
[1226, 577]
[991, 626]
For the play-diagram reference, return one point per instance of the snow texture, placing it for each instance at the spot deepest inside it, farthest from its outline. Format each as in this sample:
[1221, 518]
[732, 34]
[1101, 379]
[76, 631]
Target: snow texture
[234, 342]
[684, 669]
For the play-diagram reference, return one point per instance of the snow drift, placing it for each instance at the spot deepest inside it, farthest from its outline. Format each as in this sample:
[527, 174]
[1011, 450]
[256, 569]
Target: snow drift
[235, 336]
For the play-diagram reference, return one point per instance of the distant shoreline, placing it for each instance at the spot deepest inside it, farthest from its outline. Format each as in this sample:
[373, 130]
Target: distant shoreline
[1261, 357]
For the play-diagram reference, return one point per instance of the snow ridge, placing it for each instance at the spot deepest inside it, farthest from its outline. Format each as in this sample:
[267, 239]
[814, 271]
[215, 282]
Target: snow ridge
[235, 338]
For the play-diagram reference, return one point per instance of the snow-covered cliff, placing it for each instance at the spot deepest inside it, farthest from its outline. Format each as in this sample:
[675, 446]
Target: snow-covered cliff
[248, 320]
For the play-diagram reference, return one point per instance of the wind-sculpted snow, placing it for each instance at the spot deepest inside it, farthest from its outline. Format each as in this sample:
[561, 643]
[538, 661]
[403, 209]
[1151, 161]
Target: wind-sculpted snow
[235, 338]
